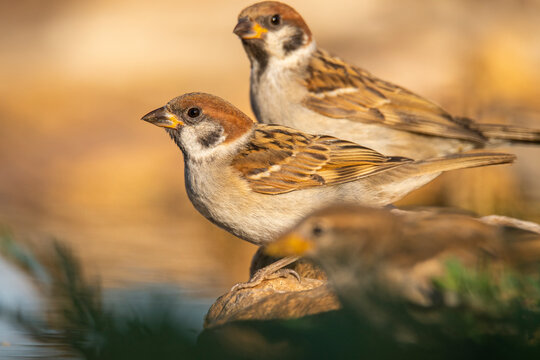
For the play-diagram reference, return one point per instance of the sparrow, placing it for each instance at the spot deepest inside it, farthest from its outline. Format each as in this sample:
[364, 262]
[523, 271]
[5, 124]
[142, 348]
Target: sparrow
[297, 84]
[256, 180]
[378, 252]
[423, 278]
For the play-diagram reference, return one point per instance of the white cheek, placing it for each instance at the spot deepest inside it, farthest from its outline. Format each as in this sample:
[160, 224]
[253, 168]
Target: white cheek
[190, 140]
[192, 145]
[274, 45]
[276, 39]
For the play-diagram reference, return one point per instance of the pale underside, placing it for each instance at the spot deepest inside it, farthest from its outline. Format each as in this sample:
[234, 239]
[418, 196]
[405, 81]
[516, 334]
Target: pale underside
[281, 176]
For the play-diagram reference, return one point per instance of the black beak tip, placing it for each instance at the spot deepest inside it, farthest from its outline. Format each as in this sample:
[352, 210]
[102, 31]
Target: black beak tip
[153, 115]
[146, 117]
[242, 27]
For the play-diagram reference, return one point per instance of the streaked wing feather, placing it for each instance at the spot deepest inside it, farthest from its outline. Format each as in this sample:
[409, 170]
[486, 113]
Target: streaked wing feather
[279, 160]
[339, 90]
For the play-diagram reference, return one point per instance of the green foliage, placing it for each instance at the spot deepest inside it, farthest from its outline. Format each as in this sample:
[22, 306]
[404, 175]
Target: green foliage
[21, 256]
[82, 325]
[100, 333]
[483, 313]
[488, 314]
[491, 302]
[489, 289]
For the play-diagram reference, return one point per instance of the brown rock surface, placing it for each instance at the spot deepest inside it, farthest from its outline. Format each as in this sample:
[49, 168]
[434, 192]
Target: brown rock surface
[281, 298]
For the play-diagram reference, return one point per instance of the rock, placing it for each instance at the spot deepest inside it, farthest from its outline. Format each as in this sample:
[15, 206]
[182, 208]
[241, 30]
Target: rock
[304, 268]
[281, 298]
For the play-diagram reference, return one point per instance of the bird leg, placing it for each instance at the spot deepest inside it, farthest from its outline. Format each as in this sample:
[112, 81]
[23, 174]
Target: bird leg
[273, 271]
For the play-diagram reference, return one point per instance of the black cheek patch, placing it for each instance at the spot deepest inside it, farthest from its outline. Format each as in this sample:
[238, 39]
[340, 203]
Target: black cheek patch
[211, 138]
[296, 41]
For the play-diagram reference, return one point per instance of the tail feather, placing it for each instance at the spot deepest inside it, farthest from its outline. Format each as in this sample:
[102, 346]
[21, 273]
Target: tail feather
[463, 161]
[398, 181]
[509, 133]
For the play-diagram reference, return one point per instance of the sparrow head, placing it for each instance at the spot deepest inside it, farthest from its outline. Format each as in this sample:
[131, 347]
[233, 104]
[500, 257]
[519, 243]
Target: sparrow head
[201, 123]
[337, 236]
[271, 28]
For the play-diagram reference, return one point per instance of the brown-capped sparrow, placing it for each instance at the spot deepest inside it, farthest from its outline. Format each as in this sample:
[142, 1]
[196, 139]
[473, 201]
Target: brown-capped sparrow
[373, 255]
[297, 84]
[256, 180]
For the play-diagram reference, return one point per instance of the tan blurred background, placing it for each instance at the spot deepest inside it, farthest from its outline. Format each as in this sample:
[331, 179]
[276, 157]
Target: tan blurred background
[78, 165]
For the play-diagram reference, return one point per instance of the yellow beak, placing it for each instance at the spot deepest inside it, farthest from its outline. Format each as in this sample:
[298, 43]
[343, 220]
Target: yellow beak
[163, 118]
[246, 29]
[291, 244]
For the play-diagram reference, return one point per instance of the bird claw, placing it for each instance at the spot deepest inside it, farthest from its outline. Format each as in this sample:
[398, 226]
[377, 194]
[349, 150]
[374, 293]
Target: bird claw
[258, 278]
[272, 271]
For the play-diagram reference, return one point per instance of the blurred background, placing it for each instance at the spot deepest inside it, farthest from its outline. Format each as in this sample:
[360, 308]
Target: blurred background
[78, 165]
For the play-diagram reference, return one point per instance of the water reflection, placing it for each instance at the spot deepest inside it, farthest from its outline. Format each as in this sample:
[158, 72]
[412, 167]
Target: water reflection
[70, 315]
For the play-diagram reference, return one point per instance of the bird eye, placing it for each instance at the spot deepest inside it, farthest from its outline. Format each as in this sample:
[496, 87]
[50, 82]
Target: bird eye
[193, 112]
[275, 20]
[317, 231]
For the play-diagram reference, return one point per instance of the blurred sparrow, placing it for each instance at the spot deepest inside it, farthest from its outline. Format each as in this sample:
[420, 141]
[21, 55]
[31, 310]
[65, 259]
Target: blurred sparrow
[381, 254]
[296, 84]
[257, 180]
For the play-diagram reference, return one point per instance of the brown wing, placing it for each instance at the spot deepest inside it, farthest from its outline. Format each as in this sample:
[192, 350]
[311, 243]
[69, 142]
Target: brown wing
[339, 90]
[280, 160]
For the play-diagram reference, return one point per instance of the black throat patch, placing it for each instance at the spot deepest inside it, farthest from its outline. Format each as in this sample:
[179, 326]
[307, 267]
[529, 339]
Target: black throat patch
[256, 53]
[175, 136]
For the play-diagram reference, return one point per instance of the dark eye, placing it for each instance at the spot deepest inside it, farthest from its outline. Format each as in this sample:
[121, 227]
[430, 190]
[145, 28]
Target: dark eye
[193, 112]
[317, 231]
[275, 20]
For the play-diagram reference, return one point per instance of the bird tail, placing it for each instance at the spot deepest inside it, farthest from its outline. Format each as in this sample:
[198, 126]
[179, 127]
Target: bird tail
[463, 161]
[401, 180]
[509, 133]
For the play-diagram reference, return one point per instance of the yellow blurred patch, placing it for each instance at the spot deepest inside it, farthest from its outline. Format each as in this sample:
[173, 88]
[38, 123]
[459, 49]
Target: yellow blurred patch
[291, 245]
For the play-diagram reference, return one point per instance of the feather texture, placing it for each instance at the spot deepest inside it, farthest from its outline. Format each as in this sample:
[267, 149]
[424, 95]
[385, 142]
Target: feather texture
[281, 159]
[339, 90]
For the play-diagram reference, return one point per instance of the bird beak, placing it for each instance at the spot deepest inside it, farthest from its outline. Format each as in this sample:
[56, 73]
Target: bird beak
[292, 244]
[161, 117]
[246, 29]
